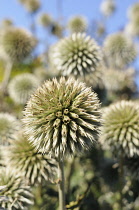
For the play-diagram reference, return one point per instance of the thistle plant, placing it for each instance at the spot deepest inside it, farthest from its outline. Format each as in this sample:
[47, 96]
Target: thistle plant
[9, 126]
[22, 156]
[108, 7]
[133, 11]
[77, 54]
[16, 191]
[77, 24]
[119, 50]
[16, 44]
[62, 118]
[120, 128]
[22, 86]
[45, 20]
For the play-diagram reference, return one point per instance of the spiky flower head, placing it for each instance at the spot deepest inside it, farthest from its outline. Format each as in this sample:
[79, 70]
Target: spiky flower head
[133, 11]
[77, 54]
[16, 44]
[115, 80]
[108, 7]
[22, 156]
[9, 126]
[120, 130]
[56, 29]
[16, 191]
[32, 6]
[45, 20]
[77, 24]
[22, 86]
[6, 23]
[62, 117]
[119, 49]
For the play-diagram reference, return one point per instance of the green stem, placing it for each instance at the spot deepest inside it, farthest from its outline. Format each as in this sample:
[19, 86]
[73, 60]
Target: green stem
[121, 180]
[61, 184]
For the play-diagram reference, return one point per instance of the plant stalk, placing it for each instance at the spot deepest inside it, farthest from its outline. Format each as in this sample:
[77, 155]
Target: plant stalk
[121, 180]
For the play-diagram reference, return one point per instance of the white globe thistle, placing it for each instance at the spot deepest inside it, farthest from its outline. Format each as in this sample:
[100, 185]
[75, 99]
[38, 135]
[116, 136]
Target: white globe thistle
[133, 11]
[9, 126]
[119, 50]
[16, 44]
[77, 54]
[132, 28]
[107, 7]
[22, 86]
[120, 128]
[77, 24]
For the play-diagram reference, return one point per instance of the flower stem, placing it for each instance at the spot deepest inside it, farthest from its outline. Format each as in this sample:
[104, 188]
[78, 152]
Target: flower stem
[121, 180]
[61, 184]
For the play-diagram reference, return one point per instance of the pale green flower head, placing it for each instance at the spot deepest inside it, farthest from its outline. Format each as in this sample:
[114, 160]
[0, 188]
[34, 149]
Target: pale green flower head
[22, 86]
[77, 54]
[16, 191]
[77, 24]
[45, 20]
[108, 7]
[22, 156]
[56, 29]
[62, 117]
[119, 50]
[16, 44]
[120, 129]
[9, 126]
[133, 11]
[32, 6]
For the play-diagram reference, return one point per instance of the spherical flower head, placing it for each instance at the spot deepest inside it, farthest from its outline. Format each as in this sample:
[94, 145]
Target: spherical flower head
[16, 191]
[132, 28]
[32, 5]
[107, 7]
[16, 44]
[120, 130]
[56, 29]
[77, 24]
[22, 86]
[45, 20]
[133, 11]
[6, 23]
[62, 117]
[77, 54]
[119, 49]
[22, 156]
[9, 126]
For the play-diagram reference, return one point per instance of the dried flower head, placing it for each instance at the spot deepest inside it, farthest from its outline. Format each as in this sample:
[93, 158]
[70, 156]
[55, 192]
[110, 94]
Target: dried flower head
[108, 7]
[45, 20]
[22, 156]
[62, 117]
[119, 50]
[16, 44]
[77, 54]
[77, 24]
[120, 130]
[22, 86]
[133, 11]
[16, 192]
[9, 126]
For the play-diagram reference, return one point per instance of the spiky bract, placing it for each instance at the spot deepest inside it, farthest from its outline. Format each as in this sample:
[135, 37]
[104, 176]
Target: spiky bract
[77, 24]
[119, 49]
[22, 86]
[9, 126]
[108, 7]
[120, 130]
[77, 54]
[22, 156]
[16, 192]
[16, 44]
[62, 117]
[45, 20]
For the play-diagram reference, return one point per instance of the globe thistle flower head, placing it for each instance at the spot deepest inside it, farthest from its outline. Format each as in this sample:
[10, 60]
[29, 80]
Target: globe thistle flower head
[120, 128]
[77, 24]
[107, 7]
[45, 20]
[6, 23]
[119, 49]
[77, 54]
[9, 126]
[22, 86]
[16, 192]
[62, 117]
[16, 44]
[133, 11]
[22, 156]
[56, 29]
[32, 6]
